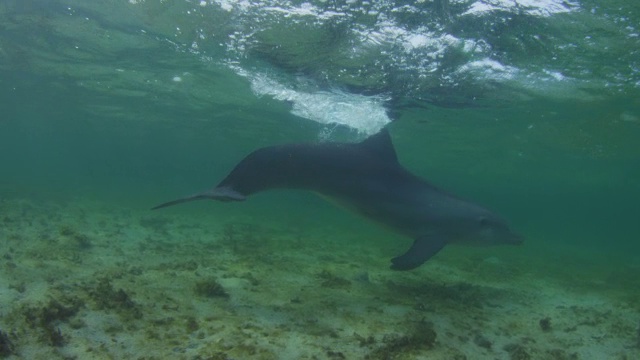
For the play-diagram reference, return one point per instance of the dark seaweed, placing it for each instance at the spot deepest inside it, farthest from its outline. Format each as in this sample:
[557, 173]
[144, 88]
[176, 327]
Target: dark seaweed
[6, 346]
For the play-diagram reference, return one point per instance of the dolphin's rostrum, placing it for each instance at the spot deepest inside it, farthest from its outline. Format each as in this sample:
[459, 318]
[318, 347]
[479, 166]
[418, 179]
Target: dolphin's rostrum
[367, 178]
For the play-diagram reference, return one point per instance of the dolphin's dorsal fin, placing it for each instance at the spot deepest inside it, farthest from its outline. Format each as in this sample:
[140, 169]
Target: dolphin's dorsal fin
[380, 144]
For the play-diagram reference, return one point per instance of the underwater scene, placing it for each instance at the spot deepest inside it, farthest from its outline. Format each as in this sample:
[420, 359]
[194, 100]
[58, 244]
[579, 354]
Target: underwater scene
[480, 158]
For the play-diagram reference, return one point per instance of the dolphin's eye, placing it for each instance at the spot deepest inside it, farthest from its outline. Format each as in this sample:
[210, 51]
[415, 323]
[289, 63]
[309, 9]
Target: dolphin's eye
[483, 221]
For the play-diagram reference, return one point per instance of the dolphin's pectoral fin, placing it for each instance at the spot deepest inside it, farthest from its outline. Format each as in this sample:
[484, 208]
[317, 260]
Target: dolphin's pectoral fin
[221, 193]
[423, 249]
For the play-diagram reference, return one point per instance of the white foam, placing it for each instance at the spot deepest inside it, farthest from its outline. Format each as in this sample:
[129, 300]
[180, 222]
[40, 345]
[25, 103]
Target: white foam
[489, 69]
[423, 48]
[305, 9]
[236, 5]
[541, 8]
[366, 114]
[556, 75]
[418, 51]
[284, 8]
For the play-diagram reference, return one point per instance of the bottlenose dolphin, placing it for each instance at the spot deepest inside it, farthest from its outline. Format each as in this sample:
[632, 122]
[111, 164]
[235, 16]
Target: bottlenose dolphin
[367, 178]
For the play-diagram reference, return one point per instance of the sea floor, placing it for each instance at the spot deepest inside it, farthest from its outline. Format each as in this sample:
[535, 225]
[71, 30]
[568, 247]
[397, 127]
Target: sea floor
[86, 281]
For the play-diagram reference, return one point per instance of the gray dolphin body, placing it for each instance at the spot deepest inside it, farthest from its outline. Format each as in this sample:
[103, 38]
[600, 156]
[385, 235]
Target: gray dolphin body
[367, 178]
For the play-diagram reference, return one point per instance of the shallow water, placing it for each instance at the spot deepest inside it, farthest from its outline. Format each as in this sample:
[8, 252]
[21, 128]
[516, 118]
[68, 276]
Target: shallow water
[109, 108]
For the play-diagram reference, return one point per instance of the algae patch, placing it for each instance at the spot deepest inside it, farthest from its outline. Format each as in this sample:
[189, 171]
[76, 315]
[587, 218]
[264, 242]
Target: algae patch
[210, 288]
[106, 297]
[6, 345]
[45, 319]
[419, 336]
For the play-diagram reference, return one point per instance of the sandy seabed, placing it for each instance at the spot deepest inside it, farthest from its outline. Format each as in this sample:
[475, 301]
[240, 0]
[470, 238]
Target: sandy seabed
[86, 281]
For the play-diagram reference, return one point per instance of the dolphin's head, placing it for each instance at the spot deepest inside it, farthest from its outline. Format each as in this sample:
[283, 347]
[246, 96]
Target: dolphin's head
[484, 228]
[493, 230]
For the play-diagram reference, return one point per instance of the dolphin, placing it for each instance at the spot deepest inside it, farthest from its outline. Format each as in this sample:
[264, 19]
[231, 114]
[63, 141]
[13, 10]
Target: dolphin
[367, 178]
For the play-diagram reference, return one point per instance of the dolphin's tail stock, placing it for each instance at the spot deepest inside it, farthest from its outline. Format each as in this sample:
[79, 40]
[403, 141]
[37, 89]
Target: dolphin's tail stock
[222, 193]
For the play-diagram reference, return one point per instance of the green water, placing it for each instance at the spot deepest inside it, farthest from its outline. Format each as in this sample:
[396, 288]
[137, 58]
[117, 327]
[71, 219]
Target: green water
[130, 104]
[90, 110]
[563, 172]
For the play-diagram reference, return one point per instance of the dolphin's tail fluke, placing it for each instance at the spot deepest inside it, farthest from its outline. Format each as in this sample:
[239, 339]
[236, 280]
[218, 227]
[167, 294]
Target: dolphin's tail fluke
[223, 193]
